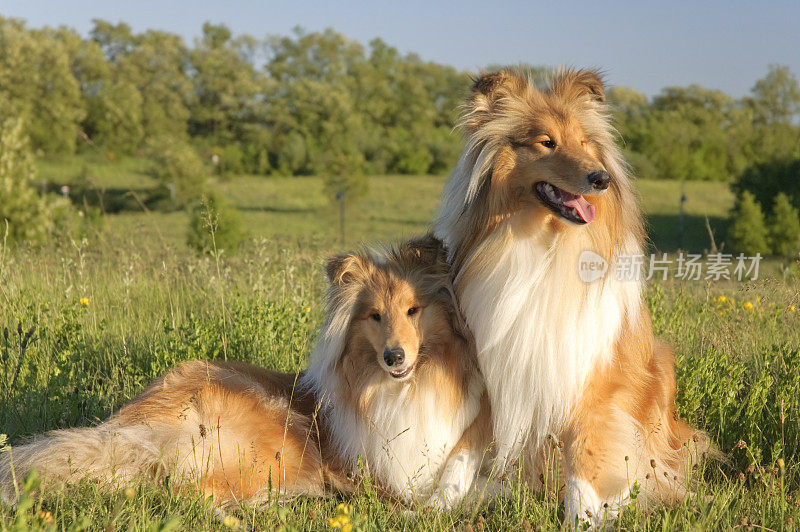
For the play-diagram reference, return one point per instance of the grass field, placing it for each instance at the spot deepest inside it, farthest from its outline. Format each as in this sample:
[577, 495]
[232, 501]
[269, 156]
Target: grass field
[394, 207]
[150, 303]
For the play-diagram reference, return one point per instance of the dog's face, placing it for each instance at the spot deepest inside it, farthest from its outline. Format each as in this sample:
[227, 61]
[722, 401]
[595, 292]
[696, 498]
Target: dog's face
[549, 166]
[392, 317]
[557, 167]
[401, 307]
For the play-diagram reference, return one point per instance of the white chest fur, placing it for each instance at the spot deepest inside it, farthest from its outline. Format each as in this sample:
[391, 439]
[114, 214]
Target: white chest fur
[404, 435]
[540, 331]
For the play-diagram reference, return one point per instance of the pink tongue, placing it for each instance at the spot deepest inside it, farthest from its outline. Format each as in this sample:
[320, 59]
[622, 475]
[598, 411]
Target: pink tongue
[584, 208]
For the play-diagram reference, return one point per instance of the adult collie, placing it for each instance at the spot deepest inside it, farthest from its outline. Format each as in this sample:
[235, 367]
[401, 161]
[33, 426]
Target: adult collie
[540, 183]
[393, 380]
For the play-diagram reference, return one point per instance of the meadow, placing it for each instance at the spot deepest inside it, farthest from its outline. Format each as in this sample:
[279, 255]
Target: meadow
[87, 323]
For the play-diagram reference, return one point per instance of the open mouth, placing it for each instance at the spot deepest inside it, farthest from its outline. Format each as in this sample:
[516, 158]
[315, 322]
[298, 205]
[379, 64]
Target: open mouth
[572, 207]
[402, 374]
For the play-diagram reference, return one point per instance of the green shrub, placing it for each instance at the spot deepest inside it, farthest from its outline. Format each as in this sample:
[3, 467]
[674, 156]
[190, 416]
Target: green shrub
[178, 168]
[231, 160]
[784, 228]
[747, 232]
[643, 167]
[214, 226]
[767, 180]
[31, 217]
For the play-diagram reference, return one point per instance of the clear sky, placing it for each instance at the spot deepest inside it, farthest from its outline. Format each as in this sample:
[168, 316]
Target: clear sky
[642, 44]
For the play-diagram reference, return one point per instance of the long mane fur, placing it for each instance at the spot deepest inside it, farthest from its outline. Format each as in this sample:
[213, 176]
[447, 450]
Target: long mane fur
[403, 431]
[538, 327]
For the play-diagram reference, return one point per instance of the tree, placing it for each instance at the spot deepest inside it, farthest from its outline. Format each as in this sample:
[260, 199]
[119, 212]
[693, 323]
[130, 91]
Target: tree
[176, 165]
[686, 134]
[156, 67]
[92, 72]
[226, 86]
[747, 232]
[767, 179]
[784, 228]
[773, 107]
[115, 116]
[775, 97]
[37, 83]
[30, 217]
[144, 92]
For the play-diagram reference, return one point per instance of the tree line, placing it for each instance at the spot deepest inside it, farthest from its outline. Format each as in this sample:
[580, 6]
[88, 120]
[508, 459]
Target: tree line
[704, 134]
[307, 102]
[288, 105]
[320, 103]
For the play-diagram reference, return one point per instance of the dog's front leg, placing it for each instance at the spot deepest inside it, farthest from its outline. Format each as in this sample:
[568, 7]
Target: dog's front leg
[583, 504]
[465, 460]
[596, 450]
[457, 478]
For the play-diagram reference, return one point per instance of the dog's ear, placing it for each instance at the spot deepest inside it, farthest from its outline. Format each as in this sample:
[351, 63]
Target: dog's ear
[487, 90]
[576, 84]
[488, 82]
[347, 268]
[426, 252]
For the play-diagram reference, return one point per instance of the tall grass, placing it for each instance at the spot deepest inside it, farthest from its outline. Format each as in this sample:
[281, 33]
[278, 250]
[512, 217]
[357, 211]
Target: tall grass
[86, 325]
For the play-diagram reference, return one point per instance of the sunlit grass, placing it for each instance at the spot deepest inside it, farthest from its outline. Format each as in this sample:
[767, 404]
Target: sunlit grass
[111, 313]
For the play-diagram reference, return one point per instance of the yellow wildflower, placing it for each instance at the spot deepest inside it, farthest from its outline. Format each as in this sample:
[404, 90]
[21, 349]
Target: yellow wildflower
[45, 516]
[308, 309]
[748, 306]
[84, 301]
[343, 508]
[342, 518]
[792, 308]
[231, 521]
[720, 299]
[339, 521]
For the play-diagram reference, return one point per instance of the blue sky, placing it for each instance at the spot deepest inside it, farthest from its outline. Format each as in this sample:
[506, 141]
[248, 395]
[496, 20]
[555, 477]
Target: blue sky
[646, 45]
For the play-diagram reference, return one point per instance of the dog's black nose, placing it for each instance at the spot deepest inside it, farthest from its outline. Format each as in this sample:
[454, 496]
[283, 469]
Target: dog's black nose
[393, 356]
[599, 179]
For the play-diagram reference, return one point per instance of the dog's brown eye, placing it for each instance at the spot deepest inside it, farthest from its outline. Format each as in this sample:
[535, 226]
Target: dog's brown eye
[550, 144]
[413, 310]
[375, 316]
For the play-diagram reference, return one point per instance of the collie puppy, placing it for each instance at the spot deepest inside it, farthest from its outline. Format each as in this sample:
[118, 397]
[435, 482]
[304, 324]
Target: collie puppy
[393, 380]
[397, 376]
[541, 183]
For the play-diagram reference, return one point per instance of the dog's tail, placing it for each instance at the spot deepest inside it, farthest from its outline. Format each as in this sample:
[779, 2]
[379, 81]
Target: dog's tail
[110, 453]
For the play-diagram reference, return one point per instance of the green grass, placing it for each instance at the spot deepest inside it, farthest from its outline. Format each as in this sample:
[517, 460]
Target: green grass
[394, 207]
[153, 304]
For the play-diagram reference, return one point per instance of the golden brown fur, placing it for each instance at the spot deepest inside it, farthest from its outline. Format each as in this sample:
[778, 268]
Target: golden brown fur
[235, 431]
[406, 418]
[230, 430]
[596, 378]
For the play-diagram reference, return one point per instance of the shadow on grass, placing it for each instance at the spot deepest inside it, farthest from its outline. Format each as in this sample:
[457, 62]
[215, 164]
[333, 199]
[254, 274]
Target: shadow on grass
[280, 210]
[116, 200]
[666, 235]
[34, 412]
[401, 221]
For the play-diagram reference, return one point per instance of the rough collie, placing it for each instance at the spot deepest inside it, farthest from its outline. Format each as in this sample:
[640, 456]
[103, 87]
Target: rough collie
[397, 376]
[393, 379]
[539, 182]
